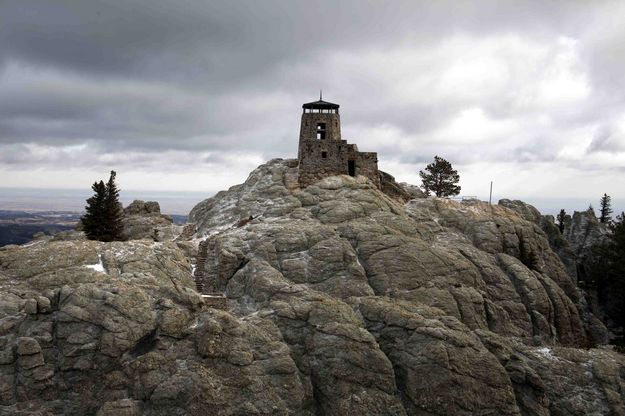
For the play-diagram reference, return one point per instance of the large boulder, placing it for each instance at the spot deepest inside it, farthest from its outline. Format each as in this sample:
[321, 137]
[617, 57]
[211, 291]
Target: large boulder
[524, 209]
[143, 220]
[138, 207]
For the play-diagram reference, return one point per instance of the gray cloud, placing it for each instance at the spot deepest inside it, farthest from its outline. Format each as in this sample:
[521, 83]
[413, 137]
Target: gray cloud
[608, 139]
[144, 83]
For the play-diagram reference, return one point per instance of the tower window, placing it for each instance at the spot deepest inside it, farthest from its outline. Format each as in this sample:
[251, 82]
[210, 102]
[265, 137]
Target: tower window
[324, 155]
[321, 131]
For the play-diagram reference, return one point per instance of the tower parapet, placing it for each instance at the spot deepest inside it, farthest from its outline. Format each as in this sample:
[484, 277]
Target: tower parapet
[323, 153]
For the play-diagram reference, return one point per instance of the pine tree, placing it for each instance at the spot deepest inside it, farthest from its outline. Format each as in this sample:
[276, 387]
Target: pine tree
[440, 178]
[104, 215]
[93, 221]
[561, 218]
[113, 212]
[606, 210]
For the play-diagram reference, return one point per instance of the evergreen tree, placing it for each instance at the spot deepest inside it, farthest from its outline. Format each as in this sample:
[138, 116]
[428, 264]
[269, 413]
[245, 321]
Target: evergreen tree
[608, 272]
[440, 178]
[114, 213]
[606, 210]
[561, 218]
[93, 221]
[104, 215]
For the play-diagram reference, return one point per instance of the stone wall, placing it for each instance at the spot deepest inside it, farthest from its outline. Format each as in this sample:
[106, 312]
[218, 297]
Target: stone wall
[367, 165]
[322, 158]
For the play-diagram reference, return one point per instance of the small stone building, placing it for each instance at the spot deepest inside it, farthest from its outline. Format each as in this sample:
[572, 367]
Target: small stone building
[323, 153]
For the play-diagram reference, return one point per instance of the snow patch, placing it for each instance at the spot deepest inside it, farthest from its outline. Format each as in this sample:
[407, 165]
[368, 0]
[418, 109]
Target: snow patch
[98, 267]
[545, 352]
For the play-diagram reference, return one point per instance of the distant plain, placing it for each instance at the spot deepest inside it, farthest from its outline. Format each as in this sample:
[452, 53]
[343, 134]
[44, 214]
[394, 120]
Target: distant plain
[31, 199]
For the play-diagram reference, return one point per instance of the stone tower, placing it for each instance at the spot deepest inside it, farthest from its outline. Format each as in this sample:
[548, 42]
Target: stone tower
[323, 153]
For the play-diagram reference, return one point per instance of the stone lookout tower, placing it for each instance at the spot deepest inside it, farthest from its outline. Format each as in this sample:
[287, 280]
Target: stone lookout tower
[323, 153]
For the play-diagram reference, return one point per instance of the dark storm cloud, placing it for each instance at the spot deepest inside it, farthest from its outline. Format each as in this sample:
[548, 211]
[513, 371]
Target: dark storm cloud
[218, 42]
[186, 41]
[130, 39]
[135, 36]
[140, 81]
[60, 110]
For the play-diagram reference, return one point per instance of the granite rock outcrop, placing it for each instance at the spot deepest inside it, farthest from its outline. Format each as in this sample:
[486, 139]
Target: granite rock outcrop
[442, 286]
[339, 300]
[118, 329]
[143, 220]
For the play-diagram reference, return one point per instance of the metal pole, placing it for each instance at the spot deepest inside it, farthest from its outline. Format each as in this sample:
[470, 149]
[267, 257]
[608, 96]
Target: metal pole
[490, 197]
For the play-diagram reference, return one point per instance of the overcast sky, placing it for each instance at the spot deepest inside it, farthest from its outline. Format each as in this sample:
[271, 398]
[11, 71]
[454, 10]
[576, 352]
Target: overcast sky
[192, 95]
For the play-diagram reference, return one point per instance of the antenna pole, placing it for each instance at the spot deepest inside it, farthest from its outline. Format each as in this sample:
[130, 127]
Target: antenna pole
[320, 96]
[490, 197]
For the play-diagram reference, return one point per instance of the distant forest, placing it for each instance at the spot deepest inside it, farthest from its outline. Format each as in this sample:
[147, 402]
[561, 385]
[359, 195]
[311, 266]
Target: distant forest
[23, 233]
[18, 227]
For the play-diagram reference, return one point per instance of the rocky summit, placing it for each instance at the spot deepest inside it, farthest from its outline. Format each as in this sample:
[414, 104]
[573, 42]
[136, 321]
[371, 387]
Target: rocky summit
[334, 299]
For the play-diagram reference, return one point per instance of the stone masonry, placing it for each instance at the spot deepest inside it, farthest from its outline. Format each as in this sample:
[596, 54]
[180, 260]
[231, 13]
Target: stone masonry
[323, 153]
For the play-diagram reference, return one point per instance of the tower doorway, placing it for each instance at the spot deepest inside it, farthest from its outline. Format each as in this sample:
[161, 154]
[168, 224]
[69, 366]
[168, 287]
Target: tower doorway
[351, 167]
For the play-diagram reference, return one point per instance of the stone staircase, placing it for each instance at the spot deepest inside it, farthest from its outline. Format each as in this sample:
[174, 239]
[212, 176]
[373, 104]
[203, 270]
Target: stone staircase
[198, 275]
[214, 300]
